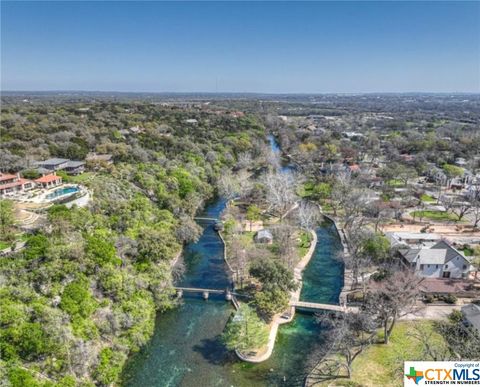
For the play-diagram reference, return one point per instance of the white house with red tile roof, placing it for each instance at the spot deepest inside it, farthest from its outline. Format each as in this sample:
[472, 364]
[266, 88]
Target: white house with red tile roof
[49, 181]
[10, 184]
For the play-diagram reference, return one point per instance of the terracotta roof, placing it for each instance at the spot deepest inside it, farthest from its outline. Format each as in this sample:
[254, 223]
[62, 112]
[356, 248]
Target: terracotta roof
[10, 185]
[6, 176]
[15, 183]
[47, 179]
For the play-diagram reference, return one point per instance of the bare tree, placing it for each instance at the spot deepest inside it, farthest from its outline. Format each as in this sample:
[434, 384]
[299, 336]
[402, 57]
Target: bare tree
[308, 215]
[378, 212]
[392, 298]
[349, 335]
[231, 186]
[244, 161]
[357, 260]
[280, 191]
[456, 206]
[432, 348]
[285, 235]
[474, 199]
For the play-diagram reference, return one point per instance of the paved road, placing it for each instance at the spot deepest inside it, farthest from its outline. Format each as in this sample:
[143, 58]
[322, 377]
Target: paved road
[432, 312]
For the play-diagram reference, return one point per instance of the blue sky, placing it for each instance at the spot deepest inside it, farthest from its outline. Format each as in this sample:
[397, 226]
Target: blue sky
[310, 47]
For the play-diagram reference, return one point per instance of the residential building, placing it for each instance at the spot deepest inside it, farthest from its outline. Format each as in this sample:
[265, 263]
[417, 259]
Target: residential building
[471, 315]
[49, 181]
[10, 184]
[439, 261]
[264, 236]
[412, 239]
[75, 167]
[55, 164]
[72, 167]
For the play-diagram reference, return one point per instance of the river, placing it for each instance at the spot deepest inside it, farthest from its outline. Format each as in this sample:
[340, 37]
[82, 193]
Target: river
[186, 350]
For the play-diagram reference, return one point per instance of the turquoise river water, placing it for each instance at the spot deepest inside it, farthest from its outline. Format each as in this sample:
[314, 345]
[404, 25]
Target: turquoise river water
[186, 350]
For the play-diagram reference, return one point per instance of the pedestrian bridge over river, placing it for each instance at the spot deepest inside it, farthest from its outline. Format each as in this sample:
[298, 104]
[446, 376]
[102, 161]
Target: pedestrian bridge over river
[318, 307]
[300, 305]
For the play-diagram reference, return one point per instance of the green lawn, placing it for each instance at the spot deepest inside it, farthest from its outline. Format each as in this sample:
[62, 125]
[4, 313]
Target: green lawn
[4, 245]
[395, 183]
[468, 251]
[305, 190]
[247, 238]
[434, 215]
[427, 198]
[303, 243]
[382, 365]
[78, 179]
[327, 208]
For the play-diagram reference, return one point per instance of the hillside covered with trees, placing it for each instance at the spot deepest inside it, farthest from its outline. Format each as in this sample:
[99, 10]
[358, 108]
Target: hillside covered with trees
[85, 290]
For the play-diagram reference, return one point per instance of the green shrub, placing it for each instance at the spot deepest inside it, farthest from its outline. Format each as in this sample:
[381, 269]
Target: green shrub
[110, 366]
[450, 299]
[77, 299]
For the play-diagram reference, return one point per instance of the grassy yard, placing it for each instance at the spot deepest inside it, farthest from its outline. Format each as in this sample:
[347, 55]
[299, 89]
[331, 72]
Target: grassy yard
[4, 245]
[327, 208]
[434, 215]
[427, 198]
[382, 365]
[78, 179]
[305, 190]
[395, 183]
[304, 239]
[468, 251]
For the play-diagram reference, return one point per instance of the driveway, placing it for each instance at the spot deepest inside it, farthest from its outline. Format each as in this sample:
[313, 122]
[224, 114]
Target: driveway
[431, 312]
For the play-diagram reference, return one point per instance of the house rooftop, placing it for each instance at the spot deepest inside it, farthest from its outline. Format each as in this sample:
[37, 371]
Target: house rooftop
[264, 234]
[438, 254]
[53, 161]
[471, 312]
[74, 164]
[415, 235]
[432, 257]
[6, 176]
[47, 179]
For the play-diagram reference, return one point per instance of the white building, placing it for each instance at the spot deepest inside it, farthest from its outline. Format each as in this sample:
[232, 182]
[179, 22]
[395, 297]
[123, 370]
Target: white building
[439, 261]
[412, 239]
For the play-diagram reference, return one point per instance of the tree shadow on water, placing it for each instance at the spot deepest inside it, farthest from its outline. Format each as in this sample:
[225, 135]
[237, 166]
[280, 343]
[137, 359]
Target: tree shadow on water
[213, 350]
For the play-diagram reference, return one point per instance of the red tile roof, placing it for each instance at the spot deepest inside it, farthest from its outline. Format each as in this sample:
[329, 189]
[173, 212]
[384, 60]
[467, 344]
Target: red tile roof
[10, 185]
[48, 179]
[6, 176]
[15, 183]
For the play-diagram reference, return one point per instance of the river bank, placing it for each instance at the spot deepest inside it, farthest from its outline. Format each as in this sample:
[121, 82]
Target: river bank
[186, 348]
[284, 317]
[348, 280]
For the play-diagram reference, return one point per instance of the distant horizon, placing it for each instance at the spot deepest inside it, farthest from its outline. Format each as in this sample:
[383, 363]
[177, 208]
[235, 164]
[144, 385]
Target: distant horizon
[241, 47]
[241, 92]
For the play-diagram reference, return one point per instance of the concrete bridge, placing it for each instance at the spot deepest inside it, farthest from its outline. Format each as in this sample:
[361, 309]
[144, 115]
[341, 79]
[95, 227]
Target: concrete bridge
[204, 291]
[318, 307]
[205, 218]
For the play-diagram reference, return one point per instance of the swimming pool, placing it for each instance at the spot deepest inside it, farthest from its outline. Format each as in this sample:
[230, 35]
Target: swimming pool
[61, 192]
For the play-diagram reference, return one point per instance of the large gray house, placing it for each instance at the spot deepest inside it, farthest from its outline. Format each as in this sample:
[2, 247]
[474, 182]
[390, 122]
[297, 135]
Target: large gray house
[438, 261]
